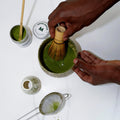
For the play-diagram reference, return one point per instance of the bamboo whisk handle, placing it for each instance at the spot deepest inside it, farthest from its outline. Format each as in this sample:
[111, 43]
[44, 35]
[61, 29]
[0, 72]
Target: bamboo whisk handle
[59, 32]
[57, 47]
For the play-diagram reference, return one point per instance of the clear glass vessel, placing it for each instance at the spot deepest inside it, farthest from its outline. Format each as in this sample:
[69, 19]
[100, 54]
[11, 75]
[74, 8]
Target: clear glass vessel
[31, 85]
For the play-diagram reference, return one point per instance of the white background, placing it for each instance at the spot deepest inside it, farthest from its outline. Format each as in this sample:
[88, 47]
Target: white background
[87, 102]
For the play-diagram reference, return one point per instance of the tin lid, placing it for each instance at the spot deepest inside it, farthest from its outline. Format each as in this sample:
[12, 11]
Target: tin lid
[41, 30]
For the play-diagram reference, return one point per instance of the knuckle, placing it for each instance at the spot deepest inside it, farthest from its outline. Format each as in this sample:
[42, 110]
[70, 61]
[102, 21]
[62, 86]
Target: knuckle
[49, 16]
[61, 4]
[49, 23]
[94, 83]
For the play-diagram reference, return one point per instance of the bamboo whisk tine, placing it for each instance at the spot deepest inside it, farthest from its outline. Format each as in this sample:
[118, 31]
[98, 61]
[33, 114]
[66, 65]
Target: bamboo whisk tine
[57, 48]
[21, 21]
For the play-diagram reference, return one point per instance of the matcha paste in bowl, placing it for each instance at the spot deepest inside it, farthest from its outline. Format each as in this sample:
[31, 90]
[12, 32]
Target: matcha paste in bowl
[57, 66]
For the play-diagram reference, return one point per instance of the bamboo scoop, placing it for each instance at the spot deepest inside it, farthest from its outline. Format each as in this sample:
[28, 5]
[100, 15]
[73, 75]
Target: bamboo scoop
[57, 48]
[21, 21]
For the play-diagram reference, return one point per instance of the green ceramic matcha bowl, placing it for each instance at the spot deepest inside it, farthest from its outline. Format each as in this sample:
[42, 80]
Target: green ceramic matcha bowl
[57, 68]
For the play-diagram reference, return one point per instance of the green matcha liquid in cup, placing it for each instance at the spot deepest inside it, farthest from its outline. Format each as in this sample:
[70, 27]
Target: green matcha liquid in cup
[26, 36]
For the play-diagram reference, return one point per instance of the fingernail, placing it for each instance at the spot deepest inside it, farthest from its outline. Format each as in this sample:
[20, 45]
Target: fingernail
[52, 36]
[85, 52]
[75, 61]
[65, 38]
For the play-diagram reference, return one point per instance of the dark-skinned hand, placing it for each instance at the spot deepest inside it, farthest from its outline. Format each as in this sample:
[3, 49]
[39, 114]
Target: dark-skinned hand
[76, 14]
[95, 70]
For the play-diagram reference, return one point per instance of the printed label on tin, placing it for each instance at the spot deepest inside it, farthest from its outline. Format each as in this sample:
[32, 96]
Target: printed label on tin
[41, 30]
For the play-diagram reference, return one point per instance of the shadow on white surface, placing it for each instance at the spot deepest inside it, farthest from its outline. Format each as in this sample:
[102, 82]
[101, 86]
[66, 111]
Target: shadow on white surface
[31, 12]
[110, 15]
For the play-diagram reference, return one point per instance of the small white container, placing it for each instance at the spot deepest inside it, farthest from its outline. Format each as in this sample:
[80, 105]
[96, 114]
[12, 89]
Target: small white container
[31, 85]
[41, 30]
[26, 41]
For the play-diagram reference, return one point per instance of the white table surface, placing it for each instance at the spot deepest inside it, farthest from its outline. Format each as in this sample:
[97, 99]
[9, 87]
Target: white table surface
[88, 102]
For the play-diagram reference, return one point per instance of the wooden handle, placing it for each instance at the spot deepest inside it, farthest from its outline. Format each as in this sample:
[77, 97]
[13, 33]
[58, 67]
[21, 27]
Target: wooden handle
[21, 21]
[59, 32]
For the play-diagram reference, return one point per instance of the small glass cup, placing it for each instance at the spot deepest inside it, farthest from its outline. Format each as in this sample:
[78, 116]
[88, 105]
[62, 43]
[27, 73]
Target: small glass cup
[31, 85]
[26, 37]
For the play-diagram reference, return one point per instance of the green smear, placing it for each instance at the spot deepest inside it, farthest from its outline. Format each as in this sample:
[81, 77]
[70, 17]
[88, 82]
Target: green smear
[58, 66]
[15, 33]
[54, 107]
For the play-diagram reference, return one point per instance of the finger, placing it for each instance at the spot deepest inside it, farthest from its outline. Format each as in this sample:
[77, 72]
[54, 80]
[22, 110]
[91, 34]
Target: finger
[52, 23]
[86, 58]
[62, 24]
[52, 15]
[79, 56]
[85, 66]
[52, 32]
[71, 29]
[84, 76]
[69, 32]
[90, 58]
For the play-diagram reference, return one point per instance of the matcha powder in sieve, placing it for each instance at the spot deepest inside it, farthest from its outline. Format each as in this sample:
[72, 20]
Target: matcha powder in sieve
[54, 107]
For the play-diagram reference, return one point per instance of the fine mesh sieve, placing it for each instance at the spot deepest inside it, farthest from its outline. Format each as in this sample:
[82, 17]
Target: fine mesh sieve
[50, 104]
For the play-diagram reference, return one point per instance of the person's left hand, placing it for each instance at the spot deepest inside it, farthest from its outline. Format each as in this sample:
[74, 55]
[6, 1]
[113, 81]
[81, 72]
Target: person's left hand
[95, 70]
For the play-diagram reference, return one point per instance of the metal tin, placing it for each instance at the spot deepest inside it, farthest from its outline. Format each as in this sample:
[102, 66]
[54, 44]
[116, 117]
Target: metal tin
[41, 30]
[27, 39]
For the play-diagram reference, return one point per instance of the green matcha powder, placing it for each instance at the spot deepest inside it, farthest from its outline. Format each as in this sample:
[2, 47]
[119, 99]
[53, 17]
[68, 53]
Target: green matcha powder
[15, 33]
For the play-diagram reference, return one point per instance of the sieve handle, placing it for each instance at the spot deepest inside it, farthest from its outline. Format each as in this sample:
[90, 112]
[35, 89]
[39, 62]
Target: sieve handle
[66, 96]
[21, 118]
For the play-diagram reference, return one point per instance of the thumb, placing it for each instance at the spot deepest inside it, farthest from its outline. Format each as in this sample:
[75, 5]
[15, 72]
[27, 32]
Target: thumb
[69, 31]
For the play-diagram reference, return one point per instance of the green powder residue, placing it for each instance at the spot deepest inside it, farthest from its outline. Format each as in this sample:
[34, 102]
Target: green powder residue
[15, 33]
[62, 65]
[54, 107]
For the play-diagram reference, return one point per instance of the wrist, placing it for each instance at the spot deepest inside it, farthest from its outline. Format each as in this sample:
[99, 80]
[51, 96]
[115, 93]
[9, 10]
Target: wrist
[117, 75]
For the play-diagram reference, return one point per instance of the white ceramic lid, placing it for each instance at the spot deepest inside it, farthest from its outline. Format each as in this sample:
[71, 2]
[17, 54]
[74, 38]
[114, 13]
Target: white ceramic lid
[41, 30]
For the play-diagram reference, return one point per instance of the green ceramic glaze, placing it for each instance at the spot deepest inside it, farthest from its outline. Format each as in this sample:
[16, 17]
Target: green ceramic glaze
[15, 33]
[53, 65]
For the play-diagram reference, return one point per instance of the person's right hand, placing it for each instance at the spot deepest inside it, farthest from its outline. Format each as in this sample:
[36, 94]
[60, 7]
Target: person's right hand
[75, 14]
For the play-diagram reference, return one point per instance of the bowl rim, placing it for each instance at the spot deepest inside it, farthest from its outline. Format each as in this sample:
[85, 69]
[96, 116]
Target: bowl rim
[68, 72]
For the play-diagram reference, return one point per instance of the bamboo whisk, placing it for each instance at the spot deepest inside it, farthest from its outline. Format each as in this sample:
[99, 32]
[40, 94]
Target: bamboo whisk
[21, 21]
[57, 48]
